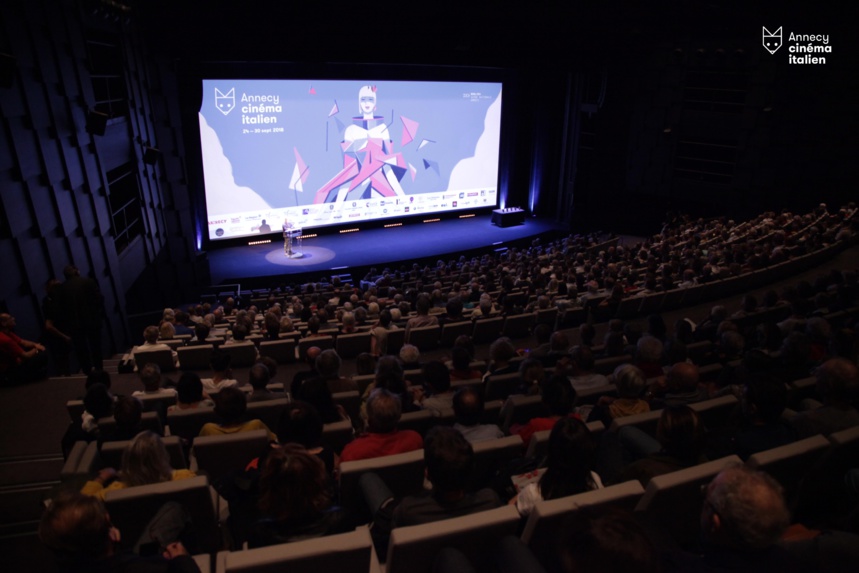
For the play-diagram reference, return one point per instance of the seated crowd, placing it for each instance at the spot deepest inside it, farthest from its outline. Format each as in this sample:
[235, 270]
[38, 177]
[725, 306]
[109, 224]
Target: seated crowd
[577, 389]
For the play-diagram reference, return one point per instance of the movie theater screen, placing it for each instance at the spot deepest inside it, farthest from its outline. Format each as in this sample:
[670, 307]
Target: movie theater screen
[317, 153]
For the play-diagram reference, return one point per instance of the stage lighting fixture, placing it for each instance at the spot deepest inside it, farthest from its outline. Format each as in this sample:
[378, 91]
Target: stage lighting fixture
[431, 220]
[266, 241]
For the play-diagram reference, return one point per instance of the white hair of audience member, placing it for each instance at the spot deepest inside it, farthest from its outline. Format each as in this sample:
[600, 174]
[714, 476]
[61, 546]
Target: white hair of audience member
[410, 354]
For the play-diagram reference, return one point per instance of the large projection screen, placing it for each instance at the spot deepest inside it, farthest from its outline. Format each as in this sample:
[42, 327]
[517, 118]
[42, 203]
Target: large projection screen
[320, 152]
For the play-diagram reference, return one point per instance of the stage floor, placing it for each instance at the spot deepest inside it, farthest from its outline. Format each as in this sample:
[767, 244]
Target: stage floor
[346, 252]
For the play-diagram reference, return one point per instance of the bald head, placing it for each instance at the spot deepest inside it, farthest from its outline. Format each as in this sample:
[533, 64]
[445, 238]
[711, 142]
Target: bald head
[312, 354]
[682, 377]
[838, 380]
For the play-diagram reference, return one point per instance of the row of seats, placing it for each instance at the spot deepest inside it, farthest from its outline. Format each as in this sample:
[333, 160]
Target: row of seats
[671, 501]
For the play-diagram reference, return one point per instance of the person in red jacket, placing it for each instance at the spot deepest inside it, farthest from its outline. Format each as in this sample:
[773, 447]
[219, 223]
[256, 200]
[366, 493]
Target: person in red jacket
[20, 360]
[382, 437]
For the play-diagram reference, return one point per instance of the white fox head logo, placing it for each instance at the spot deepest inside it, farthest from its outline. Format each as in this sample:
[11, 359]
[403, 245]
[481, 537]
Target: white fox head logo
[225, 102]
[772, 40]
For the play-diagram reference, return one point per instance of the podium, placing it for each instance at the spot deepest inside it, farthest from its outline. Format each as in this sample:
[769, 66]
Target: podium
[508, 217]
[292, 243]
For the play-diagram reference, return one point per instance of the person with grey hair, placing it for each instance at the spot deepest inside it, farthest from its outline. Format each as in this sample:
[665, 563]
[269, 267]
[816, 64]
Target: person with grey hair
[151, 344]
[742, 519]
[410, 355]
[382, 437]
[347, 323]
[150, 376]
[328, 365]
[630, 383]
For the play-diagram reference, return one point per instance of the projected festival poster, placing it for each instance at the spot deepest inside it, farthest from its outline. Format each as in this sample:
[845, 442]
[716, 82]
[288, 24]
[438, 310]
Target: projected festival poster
[316, 153]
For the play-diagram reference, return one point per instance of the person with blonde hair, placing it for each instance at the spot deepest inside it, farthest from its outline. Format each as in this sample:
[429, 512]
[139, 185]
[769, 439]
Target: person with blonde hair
[145, 461]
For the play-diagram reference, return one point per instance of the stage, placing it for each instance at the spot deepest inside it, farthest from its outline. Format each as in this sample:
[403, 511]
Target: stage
[352, 252]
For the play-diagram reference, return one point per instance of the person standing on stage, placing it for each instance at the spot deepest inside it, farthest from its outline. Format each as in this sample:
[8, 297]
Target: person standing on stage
[82, 306]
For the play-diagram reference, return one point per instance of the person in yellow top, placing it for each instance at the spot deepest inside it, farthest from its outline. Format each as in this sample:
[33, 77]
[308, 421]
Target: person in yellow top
[145, 461]
[232, 407]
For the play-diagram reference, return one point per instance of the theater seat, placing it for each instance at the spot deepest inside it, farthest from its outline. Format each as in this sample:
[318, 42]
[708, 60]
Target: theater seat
[343, 553]
[546, 518]
[672, 501]
[403, 474]
[538, 445]
[281, 351]
[131, 509]
[219, 456]
[111, 453]
[413, 549]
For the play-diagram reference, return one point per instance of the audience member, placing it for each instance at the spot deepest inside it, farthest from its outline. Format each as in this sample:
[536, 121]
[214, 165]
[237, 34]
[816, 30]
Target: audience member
[838, 384]
[231, 407]
[151, 344]
[82, 315]
[569, 466]
[128, 415]
[145, 461]
[222, 374]
[742, 519]
[78, 530]
[461, 365]
[328, 366]
[259, 378]
[438, 396]
[295, 501]
[468, 411]
[20, 360]
[558, 399]
[630, 384]
[382, 437]
[310, 359]
[189, 393]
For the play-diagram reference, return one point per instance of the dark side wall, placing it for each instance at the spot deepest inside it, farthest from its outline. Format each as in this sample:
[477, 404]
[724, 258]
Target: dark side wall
[68, 196]
[704, 120]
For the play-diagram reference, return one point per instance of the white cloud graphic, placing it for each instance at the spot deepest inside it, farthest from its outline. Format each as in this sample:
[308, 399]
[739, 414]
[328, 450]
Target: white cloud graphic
[223, 196]
[481, 169]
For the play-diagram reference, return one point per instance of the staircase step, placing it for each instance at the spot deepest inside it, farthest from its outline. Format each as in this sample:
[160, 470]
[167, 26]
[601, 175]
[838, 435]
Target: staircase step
[24, 470]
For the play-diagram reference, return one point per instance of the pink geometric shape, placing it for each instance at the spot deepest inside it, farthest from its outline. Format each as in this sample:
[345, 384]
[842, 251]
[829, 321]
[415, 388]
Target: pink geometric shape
[413, 171]
[410, 129]
[334, 110]
[302, 167]
[312, 90]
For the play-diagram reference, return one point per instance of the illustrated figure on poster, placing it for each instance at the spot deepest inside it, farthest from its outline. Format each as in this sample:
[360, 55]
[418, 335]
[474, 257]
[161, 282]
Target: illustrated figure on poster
[370, 167]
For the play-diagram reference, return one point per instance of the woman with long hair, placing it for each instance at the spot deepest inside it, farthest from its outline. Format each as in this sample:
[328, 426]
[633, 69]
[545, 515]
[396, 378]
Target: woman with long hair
[294, 500]
[145, 461]
[569, 463]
